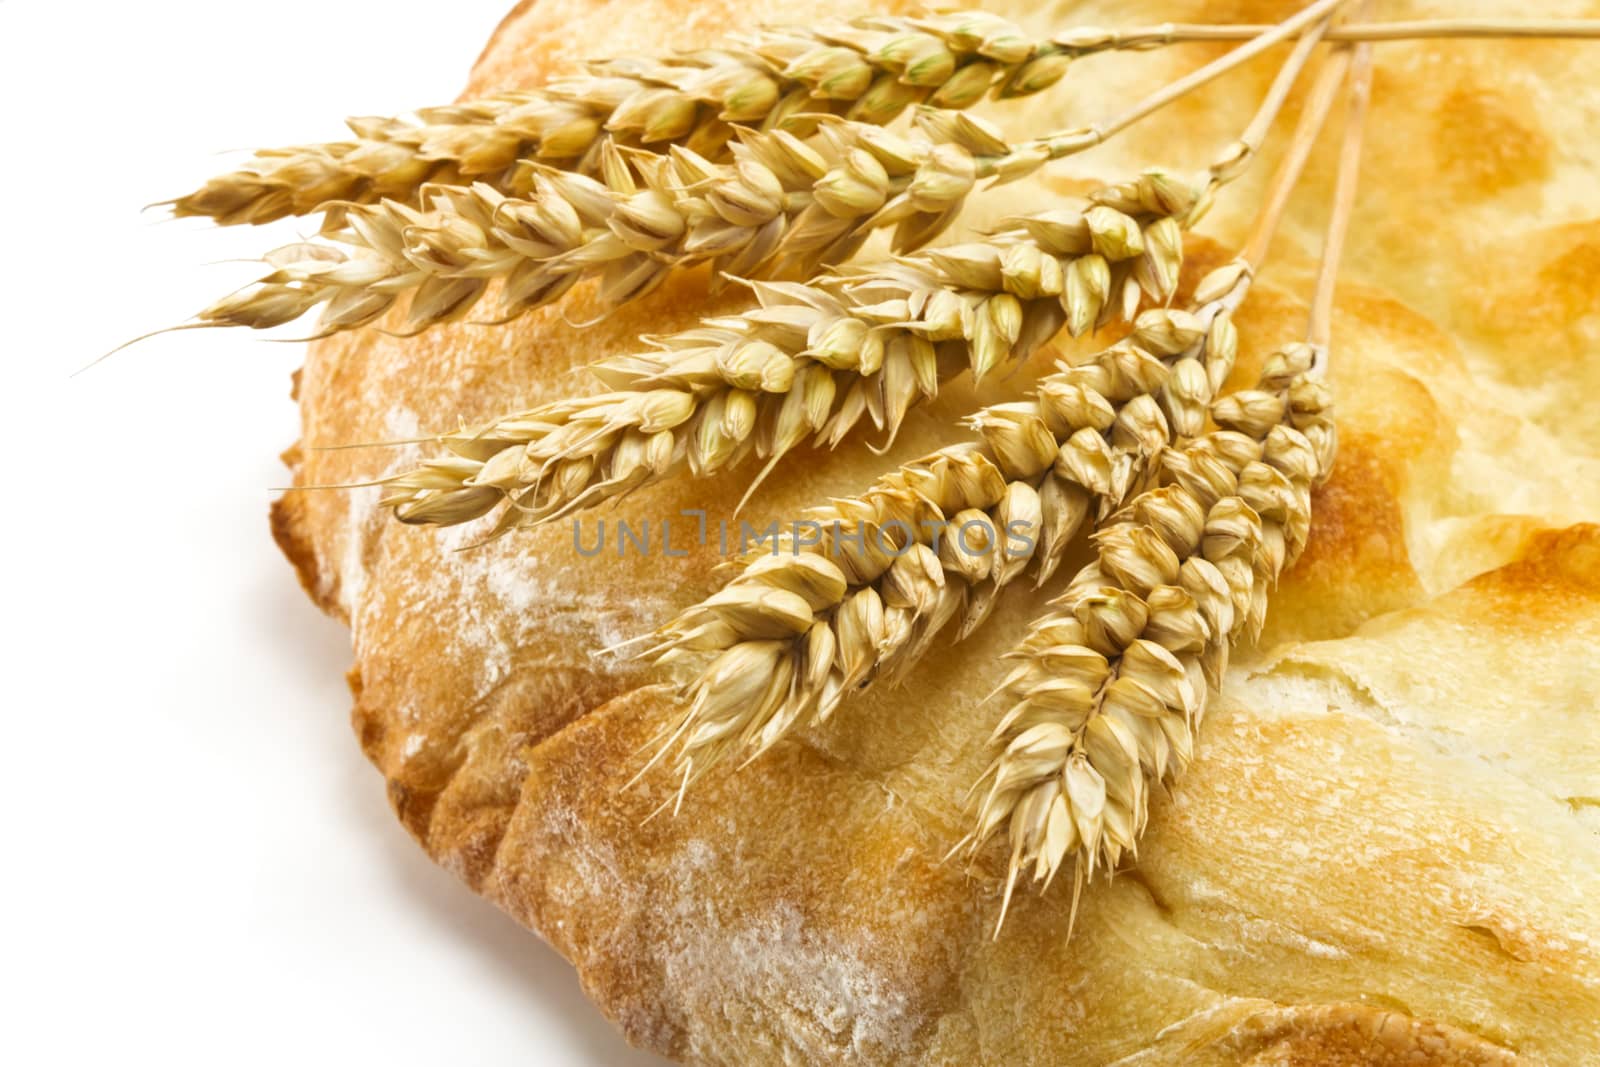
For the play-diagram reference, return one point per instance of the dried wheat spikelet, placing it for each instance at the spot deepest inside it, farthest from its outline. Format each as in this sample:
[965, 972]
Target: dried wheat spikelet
[780, 78]
[940, 538]
[783, 208]
[1111, 687]
[813, 361]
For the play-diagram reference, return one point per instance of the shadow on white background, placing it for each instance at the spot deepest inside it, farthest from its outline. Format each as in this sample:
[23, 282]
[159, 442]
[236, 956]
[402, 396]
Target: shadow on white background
[200, 865]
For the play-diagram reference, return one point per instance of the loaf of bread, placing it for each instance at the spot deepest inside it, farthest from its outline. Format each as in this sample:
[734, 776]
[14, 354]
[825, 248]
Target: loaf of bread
[1387, 850]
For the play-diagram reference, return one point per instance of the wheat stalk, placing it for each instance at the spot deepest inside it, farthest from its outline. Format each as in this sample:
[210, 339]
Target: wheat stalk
[780, 78]
[814, 360]
[1168, 33]
[869, 70]
[783, 209]
[1110, 688]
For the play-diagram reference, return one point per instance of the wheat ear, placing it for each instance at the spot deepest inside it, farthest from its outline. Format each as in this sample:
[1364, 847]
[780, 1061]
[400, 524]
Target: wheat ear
[782, 209]
[779, 78]
[814, 360]
[1109, 691]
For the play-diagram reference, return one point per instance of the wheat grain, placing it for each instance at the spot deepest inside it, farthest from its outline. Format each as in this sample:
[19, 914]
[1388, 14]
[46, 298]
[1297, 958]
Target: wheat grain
[781, 78]
[1110, 688]
[813, 361]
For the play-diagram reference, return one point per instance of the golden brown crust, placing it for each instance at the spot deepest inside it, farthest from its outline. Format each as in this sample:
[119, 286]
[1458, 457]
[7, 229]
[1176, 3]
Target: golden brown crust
[1353, 1035]
[1386, 851]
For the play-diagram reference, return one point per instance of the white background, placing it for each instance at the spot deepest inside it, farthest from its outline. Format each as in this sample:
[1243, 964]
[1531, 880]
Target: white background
[199, 865]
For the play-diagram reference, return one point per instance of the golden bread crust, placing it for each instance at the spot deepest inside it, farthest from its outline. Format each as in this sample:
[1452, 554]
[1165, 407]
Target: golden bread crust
[1386, 851]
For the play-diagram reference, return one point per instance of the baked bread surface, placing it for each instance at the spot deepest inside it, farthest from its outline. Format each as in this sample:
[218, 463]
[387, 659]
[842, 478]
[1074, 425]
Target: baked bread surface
[1388, 847]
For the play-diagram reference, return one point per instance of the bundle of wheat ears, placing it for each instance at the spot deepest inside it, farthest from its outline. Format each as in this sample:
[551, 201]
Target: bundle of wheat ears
[769, 163]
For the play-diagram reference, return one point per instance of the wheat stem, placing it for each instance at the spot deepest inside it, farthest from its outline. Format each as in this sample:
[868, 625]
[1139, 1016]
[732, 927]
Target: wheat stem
[1238, 156]
[1371, 32]
[1098, 132]
[1313, 115]
[1261, 123]
[1319, 329]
